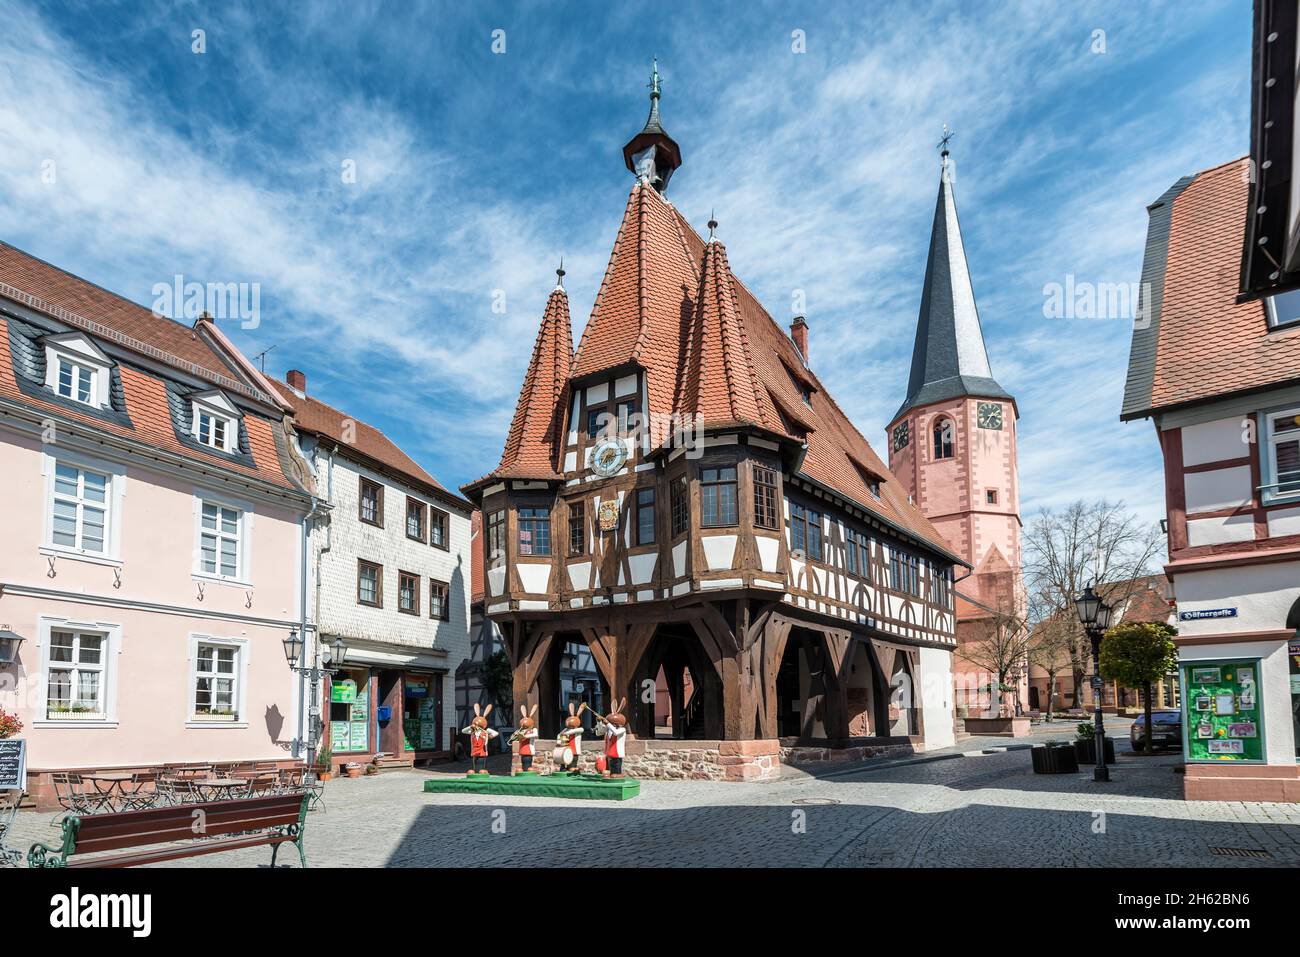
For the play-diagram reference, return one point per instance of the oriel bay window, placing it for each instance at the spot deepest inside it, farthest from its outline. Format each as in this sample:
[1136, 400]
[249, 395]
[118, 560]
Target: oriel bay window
[408, 593]
[370, 584]
[577, 529]
[680, 500]
[496, 536]
[718, 497]
[75, 679]
[766, 514]
[534, 531]
[645, 516]
[414, 519]
[806, 531]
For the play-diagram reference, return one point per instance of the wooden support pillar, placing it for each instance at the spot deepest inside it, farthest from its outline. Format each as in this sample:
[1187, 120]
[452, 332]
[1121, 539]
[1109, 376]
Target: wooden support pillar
[835, 663]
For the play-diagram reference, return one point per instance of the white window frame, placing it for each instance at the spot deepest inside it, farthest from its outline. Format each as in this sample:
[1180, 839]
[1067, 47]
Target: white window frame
[242, 651]
[243, 549]
[114, 493]
[78, 352]
[1268, 456]
[111, 649]
[216, 408]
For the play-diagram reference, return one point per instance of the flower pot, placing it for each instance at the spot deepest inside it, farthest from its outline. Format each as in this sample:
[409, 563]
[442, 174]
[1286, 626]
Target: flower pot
[324, 775]
[1086, 751]
[1056, 759]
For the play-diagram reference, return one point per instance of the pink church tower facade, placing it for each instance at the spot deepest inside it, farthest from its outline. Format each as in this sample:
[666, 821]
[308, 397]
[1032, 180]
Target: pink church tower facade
[952, 445]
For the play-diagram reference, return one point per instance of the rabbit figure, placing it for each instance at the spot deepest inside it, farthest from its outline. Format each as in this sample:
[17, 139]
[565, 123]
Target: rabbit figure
[526, 736]
[614, 725]
[568, 743]
[479, 736]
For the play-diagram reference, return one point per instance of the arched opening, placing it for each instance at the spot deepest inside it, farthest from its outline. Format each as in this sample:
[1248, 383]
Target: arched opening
[902, 699]
[943, 433]
[570, 676]
[801, 687]
[860, 692]
[688, 694]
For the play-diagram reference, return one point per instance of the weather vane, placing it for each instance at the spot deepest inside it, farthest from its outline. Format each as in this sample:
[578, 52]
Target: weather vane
[943, 143]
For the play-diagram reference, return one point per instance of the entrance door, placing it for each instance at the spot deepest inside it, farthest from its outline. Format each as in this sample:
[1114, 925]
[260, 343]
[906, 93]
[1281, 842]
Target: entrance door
[422, 713]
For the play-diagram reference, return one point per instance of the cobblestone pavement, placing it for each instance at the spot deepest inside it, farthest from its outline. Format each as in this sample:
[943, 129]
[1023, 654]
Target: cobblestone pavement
[983, 809]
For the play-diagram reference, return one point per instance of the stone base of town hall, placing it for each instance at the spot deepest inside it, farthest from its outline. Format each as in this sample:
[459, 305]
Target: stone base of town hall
[1241, 782]
[662, 759]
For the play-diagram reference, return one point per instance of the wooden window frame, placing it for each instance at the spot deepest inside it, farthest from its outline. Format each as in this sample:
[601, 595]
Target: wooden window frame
[378, 520]
[414, 579]
[801, 519]
[497, 529]
[577, 529]
[379, 584]
[520, 520]
[423, 511]
[679, 498]
[767, 514]
[444, 604]
[720, 482]
[652, 507]
[440, 519]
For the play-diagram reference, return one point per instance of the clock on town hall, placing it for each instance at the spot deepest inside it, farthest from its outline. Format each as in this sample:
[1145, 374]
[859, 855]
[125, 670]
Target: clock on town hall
[608, 457]
[900, 436]
[990, 415]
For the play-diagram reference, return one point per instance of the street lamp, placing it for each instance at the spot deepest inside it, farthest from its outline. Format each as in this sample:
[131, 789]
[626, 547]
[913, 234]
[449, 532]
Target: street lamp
[1094, 615]
[9, 642]
[313, 674]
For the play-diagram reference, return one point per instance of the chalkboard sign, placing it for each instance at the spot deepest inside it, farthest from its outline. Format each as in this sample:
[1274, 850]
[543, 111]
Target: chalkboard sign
[13, 763]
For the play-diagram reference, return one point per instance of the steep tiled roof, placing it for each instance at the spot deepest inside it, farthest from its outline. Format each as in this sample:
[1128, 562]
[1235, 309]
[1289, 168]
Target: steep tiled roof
[670, 304]
[145, 407]
[61, 289]
[1206, 343]
[312, 415]
[532, 445]
[718, 380]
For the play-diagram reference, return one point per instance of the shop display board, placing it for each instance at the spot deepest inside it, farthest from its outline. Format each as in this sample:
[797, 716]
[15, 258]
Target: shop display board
[1221, 711]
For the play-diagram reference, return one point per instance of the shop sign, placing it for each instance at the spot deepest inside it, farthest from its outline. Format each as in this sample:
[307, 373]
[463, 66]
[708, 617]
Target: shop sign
[1222, 720]
[13, 763]
[343, 692]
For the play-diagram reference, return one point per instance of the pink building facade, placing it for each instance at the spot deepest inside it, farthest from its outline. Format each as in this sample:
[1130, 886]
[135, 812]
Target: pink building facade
[153, 527]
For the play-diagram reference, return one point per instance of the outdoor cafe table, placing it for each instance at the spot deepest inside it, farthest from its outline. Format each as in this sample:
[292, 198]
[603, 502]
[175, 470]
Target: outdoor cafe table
[217, 789]
[109, 793]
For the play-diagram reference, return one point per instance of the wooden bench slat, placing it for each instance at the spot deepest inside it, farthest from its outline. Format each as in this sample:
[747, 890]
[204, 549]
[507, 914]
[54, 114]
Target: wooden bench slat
[173, 854]
[155, 835]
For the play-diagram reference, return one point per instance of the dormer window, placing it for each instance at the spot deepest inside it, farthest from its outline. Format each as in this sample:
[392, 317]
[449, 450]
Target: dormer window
[216, 422]
[77, 370]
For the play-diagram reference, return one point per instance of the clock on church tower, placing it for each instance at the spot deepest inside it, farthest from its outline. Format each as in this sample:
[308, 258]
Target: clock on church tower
[989, 415]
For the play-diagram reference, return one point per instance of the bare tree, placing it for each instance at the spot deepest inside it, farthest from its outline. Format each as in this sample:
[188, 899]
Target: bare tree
[1049, 649]
[999, 646]
[1101, 543]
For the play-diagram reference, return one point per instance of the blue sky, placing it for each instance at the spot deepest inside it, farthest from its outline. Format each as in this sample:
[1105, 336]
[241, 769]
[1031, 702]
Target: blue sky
[476, 171]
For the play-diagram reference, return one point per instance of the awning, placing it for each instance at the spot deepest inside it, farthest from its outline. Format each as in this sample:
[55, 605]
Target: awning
[397, 659]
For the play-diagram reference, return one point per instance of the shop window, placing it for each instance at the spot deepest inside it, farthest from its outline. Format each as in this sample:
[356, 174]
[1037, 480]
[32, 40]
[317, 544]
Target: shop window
[350, 712]
[422, 713]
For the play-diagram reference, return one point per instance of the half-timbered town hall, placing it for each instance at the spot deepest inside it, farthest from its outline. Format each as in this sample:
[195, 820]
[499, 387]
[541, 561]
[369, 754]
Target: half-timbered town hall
[682, 499]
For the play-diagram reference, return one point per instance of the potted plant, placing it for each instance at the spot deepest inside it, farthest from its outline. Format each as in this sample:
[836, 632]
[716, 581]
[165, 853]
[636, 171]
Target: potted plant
[1085, 744]
[324, 765]
[371, 769]
[352, 769]
[1053, 757]
[9, 724]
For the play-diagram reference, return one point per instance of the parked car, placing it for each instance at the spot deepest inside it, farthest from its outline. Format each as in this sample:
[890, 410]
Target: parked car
[1166, 730]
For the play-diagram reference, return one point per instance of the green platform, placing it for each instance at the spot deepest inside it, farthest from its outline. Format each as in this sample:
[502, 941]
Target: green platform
[582, 786]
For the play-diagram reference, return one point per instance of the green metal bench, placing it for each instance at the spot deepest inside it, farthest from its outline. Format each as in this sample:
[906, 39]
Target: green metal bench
[179, 831]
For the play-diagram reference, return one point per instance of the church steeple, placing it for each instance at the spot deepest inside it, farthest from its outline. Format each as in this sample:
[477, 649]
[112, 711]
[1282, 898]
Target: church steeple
[948, 357]
[652, 155]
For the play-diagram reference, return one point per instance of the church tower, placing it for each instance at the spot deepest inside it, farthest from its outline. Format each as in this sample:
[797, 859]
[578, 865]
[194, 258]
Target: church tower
[952, 443]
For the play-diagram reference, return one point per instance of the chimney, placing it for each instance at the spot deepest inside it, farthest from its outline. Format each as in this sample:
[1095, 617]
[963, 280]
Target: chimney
[799, 333]
[297, 381]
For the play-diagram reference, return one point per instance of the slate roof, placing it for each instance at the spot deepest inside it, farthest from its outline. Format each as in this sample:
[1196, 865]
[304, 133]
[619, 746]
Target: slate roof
[1196, 341]
[670, 304]
[948, 358]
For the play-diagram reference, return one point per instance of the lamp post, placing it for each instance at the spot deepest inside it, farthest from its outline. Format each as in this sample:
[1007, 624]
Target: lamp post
[1094, 615]
[295, 652]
